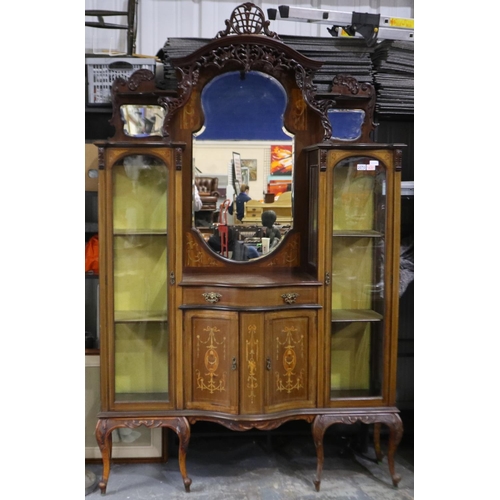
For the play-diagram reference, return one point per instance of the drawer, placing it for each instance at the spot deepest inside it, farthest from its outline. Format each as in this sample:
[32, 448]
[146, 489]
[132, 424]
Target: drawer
[253, 215]
[258, 298]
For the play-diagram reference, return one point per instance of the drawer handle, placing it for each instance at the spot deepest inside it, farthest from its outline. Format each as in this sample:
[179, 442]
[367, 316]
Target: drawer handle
[212, 297]
[290, 298]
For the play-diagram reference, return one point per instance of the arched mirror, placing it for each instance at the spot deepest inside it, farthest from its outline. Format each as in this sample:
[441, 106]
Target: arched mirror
[246, 109]
[243, 166]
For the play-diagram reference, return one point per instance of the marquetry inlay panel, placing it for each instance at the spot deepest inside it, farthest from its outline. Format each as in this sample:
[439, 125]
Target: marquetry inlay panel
[197, 255]
[288, 256]
[290, 349]
[212, 348]
[252, 355]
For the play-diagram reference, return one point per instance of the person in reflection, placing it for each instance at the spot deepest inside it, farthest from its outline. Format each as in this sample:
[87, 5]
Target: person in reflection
[269, 230]
[239, 250]
[197, 203]
[240, 201]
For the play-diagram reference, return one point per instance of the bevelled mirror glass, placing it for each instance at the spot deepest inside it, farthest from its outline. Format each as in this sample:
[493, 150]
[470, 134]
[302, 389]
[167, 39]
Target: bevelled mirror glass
[346, 123]
[243, 166]
[142, 121]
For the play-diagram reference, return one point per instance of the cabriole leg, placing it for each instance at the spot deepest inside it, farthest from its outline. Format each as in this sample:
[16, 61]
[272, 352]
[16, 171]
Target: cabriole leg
[179, 425]
[376, 441]
[319, 427]
[182, 429]
[392, 420]
[103, 436]
[395, 434]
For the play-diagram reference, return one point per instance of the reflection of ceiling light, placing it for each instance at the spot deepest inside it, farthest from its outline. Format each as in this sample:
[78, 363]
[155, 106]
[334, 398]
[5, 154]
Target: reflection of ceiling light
[133, 164]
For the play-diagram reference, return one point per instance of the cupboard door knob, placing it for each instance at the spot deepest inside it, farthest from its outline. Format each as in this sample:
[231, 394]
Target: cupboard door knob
[212, 297]
[268, 364]
[290, 298]
[234, 365]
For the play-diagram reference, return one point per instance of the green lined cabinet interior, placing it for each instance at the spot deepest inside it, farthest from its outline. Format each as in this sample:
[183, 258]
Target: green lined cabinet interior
[361, 189]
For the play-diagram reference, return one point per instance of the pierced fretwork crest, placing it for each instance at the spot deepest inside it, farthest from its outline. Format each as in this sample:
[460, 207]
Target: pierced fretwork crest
[266, 53]
[247, 19]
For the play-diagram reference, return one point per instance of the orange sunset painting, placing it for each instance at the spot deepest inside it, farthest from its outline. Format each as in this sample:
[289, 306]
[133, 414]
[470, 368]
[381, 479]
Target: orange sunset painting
[281, 160]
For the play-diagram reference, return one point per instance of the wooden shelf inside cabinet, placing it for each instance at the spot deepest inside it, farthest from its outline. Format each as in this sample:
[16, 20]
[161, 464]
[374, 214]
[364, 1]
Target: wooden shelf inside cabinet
[356, 234]
[130, 397]
[350, 394]
[140, 232]
[139, 316]
[341, 315]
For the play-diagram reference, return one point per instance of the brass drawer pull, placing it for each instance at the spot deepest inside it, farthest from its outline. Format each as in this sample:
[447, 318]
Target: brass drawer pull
[290, 298]
[212, 297]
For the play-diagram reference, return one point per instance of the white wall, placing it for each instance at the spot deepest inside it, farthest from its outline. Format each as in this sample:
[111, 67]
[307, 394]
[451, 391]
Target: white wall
[159, 20]
[214, 157]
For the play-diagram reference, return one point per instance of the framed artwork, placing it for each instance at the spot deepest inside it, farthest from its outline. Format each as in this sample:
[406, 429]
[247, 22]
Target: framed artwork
[251, 165]
[244, 175]
[281, 160]
[237, 172]
[140, 443]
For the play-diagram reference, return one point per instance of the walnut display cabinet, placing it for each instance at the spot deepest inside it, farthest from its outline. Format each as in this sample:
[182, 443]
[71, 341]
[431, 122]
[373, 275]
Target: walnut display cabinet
[305, 331]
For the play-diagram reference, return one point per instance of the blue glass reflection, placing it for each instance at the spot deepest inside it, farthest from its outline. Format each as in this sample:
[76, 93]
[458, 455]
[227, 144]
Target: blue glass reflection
[251, 108]
[346, 123]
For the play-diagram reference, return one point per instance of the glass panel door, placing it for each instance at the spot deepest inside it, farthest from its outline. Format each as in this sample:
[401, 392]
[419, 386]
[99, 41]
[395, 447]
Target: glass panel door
[358, 242]
[141, 342]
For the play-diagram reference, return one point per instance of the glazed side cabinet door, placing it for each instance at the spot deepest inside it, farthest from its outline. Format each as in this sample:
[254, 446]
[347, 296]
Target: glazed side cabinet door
[211, 341]
[136, 242]
[362, 261]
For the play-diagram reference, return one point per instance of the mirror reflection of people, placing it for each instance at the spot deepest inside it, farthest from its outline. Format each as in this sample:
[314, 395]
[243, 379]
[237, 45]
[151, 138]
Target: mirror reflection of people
[240, 201]
[197, 203]
[239, 250]
[269, 230]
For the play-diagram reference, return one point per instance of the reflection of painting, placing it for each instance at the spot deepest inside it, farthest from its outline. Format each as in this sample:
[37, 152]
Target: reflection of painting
[244, 175]
[252, 169]
[281, 160]
[237, 167]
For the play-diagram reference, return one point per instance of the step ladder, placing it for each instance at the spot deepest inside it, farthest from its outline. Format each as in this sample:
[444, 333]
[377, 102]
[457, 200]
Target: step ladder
[351, 24]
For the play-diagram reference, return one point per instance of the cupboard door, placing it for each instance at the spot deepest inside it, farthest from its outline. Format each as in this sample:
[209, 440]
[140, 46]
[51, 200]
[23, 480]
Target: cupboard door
[290, 338]
[139, 262]
[211, 360]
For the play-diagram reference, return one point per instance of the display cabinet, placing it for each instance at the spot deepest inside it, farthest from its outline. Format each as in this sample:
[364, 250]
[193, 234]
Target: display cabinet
[202, 323]
[360, 184]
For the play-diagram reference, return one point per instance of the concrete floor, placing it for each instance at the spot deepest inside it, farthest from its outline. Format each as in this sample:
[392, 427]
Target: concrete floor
[265, 466]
